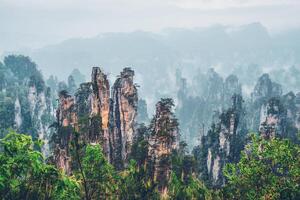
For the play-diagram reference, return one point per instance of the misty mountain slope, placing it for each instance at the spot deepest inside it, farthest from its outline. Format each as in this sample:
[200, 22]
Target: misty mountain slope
[154, 56]
[216, 44]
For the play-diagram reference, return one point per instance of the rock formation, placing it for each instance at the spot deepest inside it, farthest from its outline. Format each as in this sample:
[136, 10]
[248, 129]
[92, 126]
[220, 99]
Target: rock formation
[97, 118]
[196, 111]
[231, 87]
[100, 105]
[164, 138]
[264, 90]
[25, 100]
[87, 113]
[222, 144]
[67, 123]
[123, 117]
[280, 117]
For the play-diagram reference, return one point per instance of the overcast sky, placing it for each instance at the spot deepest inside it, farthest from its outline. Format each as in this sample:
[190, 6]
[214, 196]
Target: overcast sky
[34, 23]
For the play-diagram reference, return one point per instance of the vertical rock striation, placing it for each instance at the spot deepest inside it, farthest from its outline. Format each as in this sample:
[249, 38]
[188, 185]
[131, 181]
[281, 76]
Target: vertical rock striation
[87, 113]
[100, 105]
[123, 114]
[67, 121]
[97, 118]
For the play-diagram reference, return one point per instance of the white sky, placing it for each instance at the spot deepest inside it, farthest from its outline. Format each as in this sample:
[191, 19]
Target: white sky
[48, 21]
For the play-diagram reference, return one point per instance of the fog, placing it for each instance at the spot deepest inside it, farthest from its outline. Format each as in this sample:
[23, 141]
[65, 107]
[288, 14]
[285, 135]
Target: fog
[155, 37]
[30, 24]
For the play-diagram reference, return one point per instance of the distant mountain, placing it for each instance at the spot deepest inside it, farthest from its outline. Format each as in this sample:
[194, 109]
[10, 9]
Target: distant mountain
[154, 56]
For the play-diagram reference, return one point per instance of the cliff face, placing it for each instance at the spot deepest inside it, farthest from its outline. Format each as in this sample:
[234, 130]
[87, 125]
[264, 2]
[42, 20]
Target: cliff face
[67, 122]
[264, 90]
[280, 117]
[40, 112]
[232, 87]
[271, 113]
[222, 144]
[87, 114]
[97, 118]
[164, 138]
[123, 114]
[25, 101]
[198, 107]
[100, 105]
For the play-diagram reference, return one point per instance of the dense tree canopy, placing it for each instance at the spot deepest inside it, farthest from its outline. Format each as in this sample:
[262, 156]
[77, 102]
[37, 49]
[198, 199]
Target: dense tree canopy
[268, 169]
[25, 175]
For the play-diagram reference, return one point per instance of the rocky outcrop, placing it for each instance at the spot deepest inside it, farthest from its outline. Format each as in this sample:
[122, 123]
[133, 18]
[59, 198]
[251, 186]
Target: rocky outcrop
[280, 117]
[232, 87]
[98, 119]
[264, 90]
[164, 138]
[123, 117]
[196, 111]
[87, 113]
[67, 124]
[222, 144]
[100, 105]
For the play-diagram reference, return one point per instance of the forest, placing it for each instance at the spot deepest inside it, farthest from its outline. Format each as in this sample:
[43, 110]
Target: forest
[89, 140]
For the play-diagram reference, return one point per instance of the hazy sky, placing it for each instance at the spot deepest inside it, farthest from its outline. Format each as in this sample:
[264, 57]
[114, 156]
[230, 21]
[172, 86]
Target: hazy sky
[33, 23]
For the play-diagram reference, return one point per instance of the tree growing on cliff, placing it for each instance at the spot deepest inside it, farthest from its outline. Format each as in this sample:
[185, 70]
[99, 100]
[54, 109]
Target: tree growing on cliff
[268, 169]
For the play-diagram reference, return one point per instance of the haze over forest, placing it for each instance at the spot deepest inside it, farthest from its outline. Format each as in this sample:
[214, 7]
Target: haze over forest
[155, 38]
[133, 99]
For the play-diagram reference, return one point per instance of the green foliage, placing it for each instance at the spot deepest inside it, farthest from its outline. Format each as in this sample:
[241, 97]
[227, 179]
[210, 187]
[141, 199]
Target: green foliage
[7, 117]
[184, 184]
[22, 67]
[25, 175]
[268, 169]
[101, 178]
[139, 148]
[134, 184]
[190, 188]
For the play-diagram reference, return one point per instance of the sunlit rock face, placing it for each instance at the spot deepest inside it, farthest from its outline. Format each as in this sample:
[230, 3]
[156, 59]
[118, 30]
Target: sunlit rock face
[97, 118]
[85, 113]
[123, 117]
[164, 138]
[67, 124]
[222, 144]
[100, 105]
